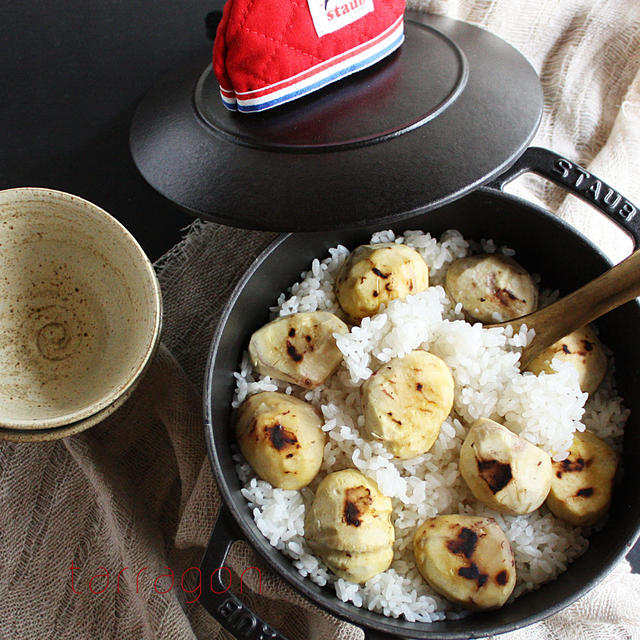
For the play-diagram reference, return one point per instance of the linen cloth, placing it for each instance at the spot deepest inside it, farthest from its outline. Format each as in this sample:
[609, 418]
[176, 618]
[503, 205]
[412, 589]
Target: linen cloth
[136, 491]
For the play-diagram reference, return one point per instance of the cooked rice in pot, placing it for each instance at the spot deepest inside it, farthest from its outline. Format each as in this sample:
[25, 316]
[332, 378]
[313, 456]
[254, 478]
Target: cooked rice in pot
[544, 409]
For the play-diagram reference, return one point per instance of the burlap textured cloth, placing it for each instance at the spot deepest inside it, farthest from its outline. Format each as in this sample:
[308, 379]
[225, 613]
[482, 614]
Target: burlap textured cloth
[132, 500]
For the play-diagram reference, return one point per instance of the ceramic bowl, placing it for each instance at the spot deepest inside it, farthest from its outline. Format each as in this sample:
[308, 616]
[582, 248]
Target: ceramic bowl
[80, 310]
[71, 429]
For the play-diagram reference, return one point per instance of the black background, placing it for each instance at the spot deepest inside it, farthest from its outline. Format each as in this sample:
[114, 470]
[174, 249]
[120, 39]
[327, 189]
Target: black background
[71, 75]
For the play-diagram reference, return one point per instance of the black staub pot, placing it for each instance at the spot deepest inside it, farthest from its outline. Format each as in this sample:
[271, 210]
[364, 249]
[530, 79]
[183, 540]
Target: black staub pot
[544, 244]
[407, 144]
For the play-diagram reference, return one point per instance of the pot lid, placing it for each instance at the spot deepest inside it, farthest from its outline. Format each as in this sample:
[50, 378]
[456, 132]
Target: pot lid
[450, 110]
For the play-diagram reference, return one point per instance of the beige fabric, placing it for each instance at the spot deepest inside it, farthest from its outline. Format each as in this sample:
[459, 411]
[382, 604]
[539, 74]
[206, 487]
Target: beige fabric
[136, 491]
[587, 54]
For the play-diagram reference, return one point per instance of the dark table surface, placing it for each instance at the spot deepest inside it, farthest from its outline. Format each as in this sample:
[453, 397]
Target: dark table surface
[72, 73]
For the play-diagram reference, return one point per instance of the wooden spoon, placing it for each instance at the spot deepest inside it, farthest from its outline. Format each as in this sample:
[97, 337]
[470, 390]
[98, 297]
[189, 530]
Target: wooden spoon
[610, 290]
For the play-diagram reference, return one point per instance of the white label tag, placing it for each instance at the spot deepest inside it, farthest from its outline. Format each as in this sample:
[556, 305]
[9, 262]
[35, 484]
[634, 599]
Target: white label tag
[330, 15]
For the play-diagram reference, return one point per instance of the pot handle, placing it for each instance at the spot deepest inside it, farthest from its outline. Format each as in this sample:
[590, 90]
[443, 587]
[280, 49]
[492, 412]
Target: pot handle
[577, 181]
[233, 615]
[229, 611]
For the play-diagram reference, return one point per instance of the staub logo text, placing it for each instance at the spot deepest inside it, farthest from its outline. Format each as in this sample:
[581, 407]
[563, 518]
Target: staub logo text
[593, 189]
[342, 9]
[330, 15]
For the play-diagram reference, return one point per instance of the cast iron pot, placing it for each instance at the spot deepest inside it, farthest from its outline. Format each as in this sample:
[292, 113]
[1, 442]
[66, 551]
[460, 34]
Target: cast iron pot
[544, 244]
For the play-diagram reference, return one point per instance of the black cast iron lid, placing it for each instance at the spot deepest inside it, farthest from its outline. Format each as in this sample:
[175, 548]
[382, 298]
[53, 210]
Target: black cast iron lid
[450, 110]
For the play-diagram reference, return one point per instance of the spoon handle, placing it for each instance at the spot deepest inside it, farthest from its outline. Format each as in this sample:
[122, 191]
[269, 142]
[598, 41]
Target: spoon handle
[610, 290]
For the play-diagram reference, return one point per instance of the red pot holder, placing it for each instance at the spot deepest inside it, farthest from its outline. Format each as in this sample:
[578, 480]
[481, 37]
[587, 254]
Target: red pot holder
[268, 52]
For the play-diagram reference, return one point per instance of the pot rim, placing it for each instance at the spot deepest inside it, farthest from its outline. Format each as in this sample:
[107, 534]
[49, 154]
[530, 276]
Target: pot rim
[282, 565]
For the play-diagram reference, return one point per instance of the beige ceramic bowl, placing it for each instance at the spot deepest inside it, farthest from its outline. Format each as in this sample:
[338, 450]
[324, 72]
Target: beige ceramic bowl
[80, 311]
[56, 433]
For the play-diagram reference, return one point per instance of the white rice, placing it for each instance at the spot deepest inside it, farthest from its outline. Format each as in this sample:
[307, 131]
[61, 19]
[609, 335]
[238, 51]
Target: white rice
[544, 409]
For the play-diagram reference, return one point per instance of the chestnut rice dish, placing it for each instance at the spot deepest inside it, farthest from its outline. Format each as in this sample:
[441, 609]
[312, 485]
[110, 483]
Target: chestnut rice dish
[390, 446]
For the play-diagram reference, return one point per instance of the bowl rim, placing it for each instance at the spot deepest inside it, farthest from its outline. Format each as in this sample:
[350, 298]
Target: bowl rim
[112, 400]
